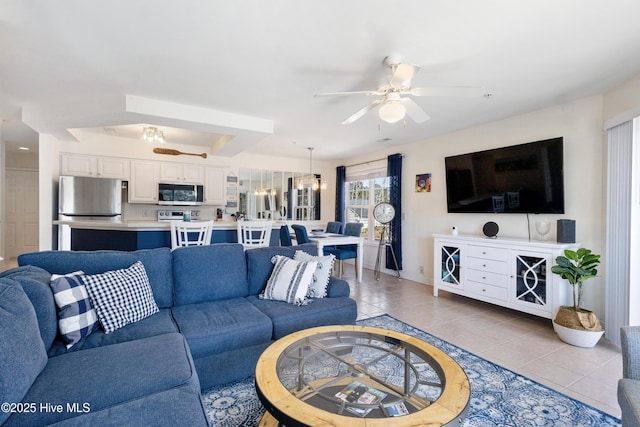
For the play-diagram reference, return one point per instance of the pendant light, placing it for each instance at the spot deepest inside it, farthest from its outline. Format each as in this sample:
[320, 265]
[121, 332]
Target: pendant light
[310, 181]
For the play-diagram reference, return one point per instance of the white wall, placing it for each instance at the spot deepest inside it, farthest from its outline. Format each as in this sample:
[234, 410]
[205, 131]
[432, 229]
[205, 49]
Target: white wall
[579, 122]
[22, 160]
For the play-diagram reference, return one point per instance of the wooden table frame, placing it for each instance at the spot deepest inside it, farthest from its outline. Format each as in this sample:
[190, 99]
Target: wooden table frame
[341, 239]
[449, 409]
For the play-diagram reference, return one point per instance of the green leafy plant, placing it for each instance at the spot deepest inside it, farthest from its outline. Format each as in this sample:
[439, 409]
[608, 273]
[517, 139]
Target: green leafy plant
[576, 267]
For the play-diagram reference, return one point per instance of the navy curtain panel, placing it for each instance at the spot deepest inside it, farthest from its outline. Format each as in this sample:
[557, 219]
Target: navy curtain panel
[394, 171]
[289, 198]
[316, 198]
[341, 177]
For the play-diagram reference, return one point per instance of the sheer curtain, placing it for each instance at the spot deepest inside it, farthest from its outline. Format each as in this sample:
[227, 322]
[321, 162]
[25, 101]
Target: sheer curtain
[621, 297]
[394, 170]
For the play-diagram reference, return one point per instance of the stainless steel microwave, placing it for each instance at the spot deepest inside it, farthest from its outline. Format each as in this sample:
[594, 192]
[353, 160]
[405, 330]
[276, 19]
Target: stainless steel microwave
[180, 194]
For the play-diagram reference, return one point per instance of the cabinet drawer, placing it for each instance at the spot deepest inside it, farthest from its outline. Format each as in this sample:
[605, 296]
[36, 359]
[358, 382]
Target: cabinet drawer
[487, 252]
[487, 290]
[487, 277]
[490, 265]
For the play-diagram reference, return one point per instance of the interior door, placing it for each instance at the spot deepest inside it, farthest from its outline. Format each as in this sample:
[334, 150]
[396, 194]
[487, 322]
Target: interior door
[22, 212]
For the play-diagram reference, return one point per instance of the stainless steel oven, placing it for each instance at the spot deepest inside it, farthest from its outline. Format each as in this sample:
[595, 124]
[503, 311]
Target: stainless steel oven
[180, 194]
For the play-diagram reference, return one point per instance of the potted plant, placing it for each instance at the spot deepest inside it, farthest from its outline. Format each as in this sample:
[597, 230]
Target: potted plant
[575, 325]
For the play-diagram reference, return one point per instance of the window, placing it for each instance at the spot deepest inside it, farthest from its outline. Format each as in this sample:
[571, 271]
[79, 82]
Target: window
[361, 197]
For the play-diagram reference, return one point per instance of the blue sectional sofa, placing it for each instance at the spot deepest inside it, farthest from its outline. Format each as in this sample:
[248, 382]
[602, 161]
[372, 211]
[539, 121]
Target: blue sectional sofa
[210, 329]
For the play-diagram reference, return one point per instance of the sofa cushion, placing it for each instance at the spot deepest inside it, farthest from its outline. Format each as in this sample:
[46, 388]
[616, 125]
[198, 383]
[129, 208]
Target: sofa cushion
[180, 406]
[318, 287]
[22, 354]
[109, 376]
[209, 273]
[157, 262]
[121, 297]
[76, 315]
[289, 280]
[35, 282]
[219, 326]
[288, 318]
[158, 324]
[259, 264]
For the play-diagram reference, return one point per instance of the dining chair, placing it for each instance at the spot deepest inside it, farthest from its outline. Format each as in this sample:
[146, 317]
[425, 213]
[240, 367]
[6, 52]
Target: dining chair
[301, 234]
[285, 236]
[334, 227]
[254, 234]
[343, 252]
[197, 233]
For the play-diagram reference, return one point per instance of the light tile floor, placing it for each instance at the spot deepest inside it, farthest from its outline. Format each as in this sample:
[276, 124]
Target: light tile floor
[521, 342]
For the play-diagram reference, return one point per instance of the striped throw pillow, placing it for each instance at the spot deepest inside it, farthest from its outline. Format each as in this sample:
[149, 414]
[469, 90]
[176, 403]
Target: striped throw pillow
[289, 280]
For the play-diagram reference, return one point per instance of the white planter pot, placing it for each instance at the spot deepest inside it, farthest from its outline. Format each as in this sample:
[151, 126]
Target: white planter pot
[576, 337]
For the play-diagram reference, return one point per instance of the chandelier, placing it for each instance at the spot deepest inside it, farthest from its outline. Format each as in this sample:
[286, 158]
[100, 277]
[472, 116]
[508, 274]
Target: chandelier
[152, 134]
[311, 181]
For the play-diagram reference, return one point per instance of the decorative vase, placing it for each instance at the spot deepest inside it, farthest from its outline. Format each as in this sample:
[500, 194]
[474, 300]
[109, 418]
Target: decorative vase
[577, 337]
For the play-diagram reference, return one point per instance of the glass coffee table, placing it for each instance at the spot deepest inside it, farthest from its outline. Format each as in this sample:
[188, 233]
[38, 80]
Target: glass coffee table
[357, 376]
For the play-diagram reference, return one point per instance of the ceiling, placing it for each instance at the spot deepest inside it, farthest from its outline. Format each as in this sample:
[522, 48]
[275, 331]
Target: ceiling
[253, 66]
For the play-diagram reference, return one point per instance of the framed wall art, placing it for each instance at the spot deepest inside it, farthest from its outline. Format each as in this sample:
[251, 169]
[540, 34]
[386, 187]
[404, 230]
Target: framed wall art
[423, 183]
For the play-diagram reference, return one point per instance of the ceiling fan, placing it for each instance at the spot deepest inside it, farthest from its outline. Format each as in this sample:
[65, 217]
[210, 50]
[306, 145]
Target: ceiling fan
[393, 100]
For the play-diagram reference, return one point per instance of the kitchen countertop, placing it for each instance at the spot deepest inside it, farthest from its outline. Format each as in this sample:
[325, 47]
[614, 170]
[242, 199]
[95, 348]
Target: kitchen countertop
[149, 225]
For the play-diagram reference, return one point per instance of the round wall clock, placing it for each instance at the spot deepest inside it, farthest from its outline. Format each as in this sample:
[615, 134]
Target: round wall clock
[384, 212]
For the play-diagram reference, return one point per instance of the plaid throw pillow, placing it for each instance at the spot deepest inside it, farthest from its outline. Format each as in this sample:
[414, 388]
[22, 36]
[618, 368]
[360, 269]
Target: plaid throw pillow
[121, 297]
[76, 316]
[289, 280]
[318, 287]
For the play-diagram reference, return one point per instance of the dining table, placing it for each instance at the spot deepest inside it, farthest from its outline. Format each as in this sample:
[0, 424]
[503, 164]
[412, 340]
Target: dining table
[329, 239]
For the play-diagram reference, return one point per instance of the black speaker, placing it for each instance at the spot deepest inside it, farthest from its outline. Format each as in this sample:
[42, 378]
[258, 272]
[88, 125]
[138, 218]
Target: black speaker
[566, 231]
[490, 229]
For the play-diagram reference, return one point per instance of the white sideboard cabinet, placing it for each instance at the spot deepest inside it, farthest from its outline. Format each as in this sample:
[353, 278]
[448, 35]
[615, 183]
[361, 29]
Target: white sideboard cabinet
[509, 272]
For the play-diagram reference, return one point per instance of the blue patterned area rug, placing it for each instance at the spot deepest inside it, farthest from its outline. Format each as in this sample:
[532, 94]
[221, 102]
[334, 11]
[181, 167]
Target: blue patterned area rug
[499, 397]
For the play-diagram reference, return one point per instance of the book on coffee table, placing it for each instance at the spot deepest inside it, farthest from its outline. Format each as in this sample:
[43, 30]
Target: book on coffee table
[359, 393]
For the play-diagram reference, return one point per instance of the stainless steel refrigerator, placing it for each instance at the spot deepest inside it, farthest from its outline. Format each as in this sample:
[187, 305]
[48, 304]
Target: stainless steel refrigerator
[85, 198]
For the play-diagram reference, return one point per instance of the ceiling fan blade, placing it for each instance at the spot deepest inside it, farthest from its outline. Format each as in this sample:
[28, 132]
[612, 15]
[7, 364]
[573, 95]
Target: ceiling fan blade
[355, 116]
[463, 91]
[403, 74]
[358, 92]
[414, 111]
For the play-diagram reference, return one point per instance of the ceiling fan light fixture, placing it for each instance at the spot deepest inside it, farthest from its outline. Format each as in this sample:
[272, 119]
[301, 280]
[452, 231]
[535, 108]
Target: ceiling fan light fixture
[392, 112]
[152, 134]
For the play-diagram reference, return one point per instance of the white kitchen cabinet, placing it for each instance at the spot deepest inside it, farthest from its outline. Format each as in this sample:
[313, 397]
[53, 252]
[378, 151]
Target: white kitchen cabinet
[513, 273]
[181, 173]
[143, 186]
[78, 165]
[94, 166]
[113, 167]
[214, 189]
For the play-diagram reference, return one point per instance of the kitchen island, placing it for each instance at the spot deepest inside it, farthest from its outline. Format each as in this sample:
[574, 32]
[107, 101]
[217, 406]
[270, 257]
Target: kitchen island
[89, 235]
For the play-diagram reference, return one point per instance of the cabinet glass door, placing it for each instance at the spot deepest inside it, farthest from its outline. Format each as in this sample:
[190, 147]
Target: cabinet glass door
[531, 279]
[450, 268]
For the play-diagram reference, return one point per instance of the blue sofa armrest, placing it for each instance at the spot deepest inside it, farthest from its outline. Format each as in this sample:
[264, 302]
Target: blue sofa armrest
[630, 337]
[629, 385]
[337, 288]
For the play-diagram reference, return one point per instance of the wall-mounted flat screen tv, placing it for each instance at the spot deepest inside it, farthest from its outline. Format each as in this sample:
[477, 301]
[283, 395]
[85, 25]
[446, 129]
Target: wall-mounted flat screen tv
[524, 178]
